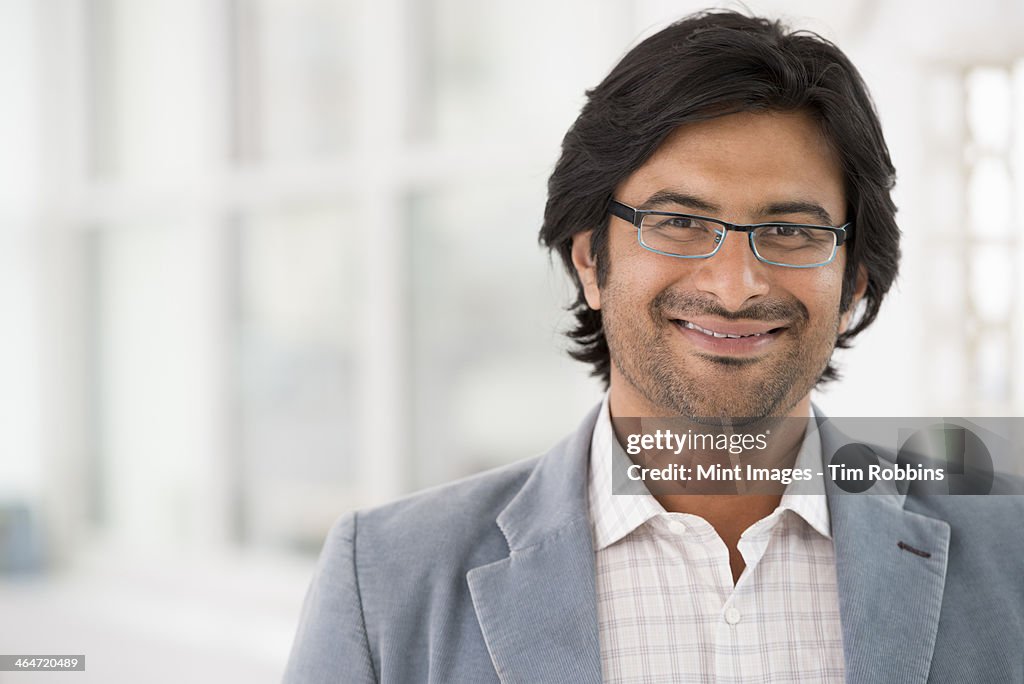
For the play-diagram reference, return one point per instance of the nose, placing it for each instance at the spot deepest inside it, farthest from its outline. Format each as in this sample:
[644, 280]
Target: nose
[733, 275]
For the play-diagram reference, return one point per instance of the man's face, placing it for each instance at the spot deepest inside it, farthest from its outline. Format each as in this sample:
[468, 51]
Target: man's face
[741, 168]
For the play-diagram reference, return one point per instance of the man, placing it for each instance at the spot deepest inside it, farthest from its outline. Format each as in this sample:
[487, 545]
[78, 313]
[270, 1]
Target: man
[722, 203]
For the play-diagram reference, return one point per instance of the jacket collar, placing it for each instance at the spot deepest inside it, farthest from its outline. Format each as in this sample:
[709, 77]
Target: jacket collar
[555, 494]
[538, 608]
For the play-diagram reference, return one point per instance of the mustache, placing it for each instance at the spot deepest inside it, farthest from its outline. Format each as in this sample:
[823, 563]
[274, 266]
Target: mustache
[670, 304]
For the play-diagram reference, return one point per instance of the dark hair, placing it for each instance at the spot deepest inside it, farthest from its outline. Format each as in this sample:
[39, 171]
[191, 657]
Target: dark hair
[707, 65]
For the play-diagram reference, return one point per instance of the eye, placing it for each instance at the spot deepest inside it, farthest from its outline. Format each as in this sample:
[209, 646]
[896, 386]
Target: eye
[676, 222]
[785, 231]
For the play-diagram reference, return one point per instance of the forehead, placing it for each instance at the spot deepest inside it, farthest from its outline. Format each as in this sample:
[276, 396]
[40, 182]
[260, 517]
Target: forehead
[741, 160]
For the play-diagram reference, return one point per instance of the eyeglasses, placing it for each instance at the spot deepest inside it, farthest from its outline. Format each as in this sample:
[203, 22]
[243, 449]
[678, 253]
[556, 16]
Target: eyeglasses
[794, 245]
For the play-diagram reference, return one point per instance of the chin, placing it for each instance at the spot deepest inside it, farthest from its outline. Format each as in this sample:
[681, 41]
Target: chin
[728, 361]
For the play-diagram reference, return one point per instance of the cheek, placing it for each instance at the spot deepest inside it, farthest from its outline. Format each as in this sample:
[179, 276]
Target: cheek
[636, 279]
[821, 293]
[635, 272]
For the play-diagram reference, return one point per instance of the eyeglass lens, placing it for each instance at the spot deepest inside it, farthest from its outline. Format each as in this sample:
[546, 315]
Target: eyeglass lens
[793, 245]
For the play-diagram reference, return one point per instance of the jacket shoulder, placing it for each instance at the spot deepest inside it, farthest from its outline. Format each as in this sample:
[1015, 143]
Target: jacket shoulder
[453, 526]
[388, 574]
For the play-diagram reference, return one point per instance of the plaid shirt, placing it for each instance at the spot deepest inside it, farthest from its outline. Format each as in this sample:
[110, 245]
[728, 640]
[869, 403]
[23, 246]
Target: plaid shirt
[667, 607]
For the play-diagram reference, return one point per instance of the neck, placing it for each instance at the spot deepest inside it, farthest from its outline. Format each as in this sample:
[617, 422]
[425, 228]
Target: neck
[730, 513]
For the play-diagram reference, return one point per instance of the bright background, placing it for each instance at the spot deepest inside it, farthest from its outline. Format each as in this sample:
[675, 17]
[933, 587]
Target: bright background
[265, 261]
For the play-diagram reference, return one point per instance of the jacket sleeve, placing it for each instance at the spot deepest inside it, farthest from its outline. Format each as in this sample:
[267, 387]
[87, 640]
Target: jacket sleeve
[331, 645]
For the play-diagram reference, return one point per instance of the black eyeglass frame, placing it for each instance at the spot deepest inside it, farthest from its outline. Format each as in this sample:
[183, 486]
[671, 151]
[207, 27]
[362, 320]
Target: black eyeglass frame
[636, 217]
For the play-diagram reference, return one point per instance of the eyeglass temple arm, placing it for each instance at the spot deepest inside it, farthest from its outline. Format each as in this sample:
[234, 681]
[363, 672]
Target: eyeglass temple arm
[843, 233]
[622, 211]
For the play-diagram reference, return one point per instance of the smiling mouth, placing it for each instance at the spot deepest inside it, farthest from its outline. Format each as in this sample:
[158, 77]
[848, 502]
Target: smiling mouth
[689, 325]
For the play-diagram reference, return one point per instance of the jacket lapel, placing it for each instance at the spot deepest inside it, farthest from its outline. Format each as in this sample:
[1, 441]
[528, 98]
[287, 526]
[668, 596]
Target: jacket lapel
[891, 573]
[538, 608]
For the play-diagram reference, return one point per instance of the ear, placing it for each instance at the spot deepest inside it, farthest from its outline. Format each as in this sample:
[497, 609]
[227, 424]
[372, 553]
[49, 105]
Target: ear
[858, 294]
[586, 268]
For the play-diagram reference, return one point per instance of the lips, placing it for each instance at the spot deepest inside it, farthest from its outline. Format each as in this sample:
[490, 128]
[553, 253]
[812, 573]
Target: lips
[724, 337]
[732, 329]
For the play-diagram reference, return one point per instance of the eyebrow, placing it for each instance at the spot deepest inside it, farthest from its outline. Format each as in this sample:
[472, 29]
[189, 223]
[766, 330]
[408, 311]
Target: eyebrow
[798, 207]
[663, 197]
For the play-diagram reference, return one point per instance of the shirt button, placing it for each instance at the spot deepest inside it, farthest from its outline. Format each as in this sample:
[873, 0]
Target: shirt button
[732, 616]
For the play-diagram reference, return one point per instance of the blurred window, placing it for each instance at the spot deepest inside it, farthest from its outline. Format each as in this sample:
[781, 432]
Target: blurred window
[296, 395]
[974, 258]
[281, 304]
[993, 249]
[485, 344]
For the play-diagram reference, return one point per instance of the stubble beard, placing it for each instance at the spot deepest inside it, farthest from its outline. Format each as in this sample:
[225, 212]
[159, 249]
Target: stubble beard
[706, 388]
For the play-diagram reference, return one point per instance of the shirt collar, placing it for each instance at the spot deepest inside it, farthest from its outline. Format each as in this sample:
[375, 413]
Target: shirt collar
[616, 515]
[806, 498]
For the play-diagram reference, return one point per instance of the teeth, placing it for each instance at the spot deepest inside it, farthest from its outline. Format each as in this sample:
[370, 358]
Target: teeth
[692, 326]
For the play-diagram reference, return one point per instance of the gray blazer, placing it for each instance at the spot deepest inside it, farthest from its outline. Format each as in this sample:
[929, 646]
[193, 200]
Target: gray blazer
[492, 579]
